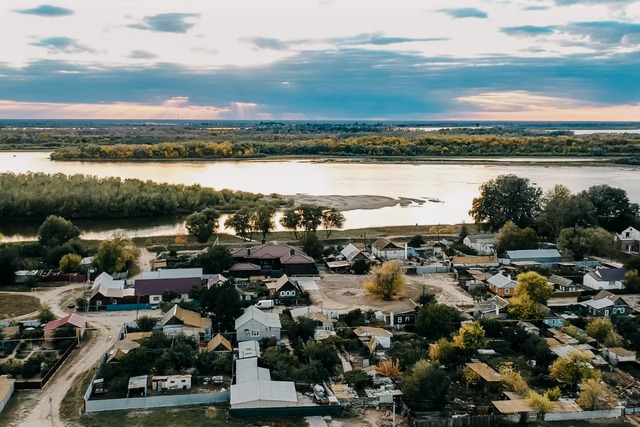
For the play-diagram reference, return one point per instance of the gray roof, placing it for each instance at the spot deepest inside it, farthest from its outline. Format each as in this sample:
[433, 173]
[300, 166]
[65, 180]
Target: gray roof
[473, 238]
[267, 319]
[248, 349]
[611, 274]
[255, 388]
[500, 281]
[533, 254]
[599, 303]
[559, 280]
[173, 273]
[247, 370]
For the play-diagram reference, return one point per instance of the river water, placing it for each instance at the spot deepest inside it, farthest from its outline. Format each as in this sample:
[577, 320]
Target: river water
[454, 184]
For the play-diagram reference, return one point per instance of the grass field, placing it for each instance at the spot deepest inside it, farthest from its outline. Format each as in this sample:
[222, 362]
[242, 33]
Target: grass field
[12, 305]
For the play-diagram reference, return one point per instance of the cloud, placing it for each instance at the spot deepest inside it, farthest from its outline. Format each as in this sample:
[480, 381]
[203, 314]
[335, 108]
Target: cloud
[380, 40]
[266, 43]
[167, 22]
[178, 107]
[56, 45]
[528, 30]
[572, 2]
[464, 12]
[142, 54]
[523, 105]
[606, 32]
[47, 10]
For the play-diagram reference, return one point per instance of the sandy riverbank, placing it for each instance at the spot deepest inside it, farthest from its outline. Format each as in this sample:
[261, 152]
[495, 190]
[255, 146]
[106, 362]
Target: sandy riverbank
[347, 203]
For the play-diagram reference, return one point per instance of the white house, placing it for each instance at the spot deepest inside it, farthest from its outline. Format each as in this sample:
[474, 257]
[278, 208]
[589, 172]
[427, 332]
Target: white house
[255, 324]
[367, 333]
[628, 240]
[386, 249]
[483, 243]
[605, 278]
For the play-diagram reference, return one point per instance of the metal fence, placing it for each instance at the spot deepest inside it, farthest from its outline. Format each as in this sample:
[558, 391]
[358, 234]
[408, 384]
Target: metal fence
[39, 384]
[153, 401]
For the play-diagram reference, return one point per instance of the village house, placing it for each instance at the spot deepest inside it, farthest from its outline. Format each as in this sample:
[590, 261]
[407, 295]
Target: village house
[628, 240]
[255, 324]
[542, 257]
[605, 278]
[216, 280]
[458, 262]
[501, 285]
[492, 308]
[385, 249]
[283, 288]
[219, 344]
[367, 333]
[618, 355]
[562, 284]
[272, 259]
[484, 244]
[173, 273]
[151, 290]
[606, 304]
[76, 321]
[178, 321]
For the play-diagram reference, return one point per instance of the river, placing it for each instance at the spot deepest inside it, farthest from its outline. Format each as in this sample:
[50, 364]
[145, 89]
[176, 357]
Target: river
[455, 184]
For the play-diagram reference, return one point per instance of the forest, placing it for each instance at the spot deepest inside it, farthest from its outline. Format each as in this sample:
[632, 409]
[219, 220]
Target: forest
[211, 141]
[38, 195]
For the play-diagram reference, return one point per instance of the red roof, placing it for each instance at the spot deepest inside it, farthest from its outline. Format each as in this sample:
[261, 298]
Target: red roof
[72, 319]
[244, 266]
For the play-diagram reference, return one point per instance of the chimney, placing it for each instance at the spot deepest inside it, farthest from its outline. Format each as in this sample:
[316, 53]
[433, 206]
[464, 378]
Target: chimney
[292, 251]
[497, 310]
[264, 241]
[248, 251]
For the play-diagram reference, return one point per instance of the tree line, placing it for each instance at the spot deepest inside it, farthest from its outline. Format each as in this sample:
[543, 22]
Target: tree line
[37, 195]
[405, 144]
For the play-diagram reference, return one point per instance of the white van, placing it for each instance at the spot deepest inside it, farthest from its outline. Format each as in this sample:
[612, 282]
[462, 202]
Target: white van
[265, 303]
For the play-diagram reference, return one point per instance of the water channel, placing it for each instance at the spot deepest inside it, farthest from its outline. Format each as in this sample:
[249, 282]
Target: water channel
[454, 184]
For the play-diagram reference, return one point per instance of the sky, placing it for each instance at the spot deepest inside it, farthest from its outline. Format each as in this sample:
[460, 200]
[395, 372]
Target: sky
[407, 60]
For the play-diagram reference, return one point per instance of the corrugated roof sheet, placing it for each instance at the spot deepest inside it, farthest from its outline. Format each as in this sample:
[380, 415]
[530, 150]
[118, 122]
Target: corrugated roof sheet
[267, 319]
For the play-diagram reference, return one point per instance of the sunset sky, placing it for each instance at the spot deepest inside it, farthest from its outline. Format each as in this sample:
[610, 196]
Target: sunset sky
[321, 60]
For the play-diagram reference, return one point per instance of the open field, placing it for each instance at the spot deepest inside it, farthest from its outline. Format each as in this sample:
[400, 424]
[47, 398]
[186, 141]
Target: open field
[12, 305]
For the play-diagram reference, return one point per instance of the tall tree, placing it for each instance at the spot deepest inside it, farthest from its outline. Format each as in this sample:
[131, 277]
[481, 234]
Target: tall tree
[214, 260]
[612, 207]
[56, 231]
[240, 222]
[332, 219]
[291, 220]
[311, 217]
[506, 198]
[437, 321]
[470, 337]
[578, 242]
[116, 254]
[262, 220]
[70, 263]
[386, 281]
[203, 224]
[596, 396]
[561, 209]
[425, 385]
[574, 368]
[535, 286]
[224, 305]
[511, 237]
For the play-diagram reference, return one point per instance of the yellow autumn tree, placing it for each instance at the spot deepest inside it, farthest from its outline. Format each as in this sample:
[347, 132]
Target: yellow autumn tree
[386, 281]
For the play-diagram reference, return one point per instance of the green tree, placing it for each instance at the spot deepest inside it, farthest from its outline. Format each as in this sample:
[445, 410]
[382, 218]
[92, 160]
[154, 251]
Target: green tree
[561, 209]
[70, 263]
[574, 368]
[332, 219]
[56, 231]
[613, 210]
[311, 217]
[578, 242]
[506, 198]
[10, 262]
[324, 353]
[224, 305]
[214, 260]
[116, 254]
[357, 378]
[535, 286]
[291, 220]
[312, 246]
[303, 328]
[386, 281]
[632, 281]
[425, 386]
[46, 315]
[202, 224]
[523, 307]
[262, 220]
[511, 237]
[146, 323]
[436, 321]
[470, 337]
[513, 380]
[240, 222]
[361, 266]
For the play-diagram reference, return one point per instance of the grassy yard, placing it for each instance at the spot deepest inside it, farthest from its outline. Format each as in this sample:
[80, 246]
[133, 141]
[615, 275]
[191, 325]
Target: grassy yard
[12, 305]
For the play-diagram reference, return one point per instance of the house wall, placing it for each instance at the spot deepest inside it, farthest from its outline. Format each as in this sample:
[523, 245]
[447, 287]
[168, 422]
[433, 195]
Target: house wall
[389, 253]
[4, 399]
[262, 331]
[584, 415]
[590, 282]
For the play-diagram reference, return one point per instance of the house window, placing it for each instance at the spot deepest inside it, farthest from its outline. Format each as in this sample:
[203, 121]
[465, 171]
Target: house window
[255, 333]
[399, 319]
[506, 291]
[155, 298]
[246, 332]
[606, 312]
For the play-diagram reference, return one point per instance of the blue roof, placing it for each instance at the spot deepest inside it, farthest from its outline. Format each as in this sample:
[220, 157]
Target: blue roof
[612, 274]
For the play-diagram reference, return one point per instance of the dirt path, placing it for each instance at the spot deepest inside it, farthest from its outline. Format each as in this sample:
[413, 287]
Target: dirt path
[144, 261]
